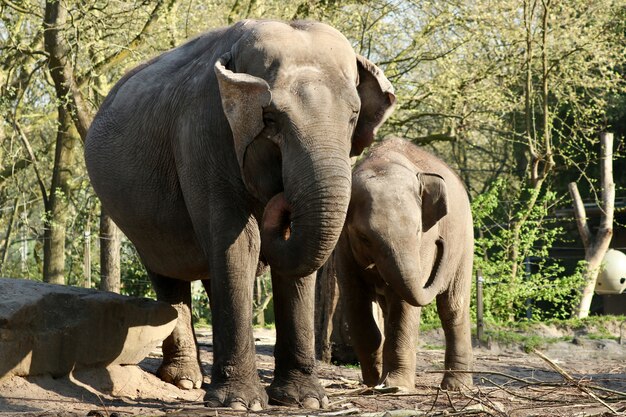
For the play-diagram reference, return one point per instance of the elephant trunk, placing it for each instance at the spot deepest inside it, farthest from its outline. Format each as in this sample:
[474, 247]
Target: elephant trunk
[302, 224]
[408, 280]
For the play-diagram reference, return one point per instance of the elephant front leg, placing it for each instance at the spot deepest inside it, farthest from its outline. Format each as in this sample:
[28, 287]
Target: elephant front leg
[295, 380]
[234, 379]
[181, 364]
[399, 349]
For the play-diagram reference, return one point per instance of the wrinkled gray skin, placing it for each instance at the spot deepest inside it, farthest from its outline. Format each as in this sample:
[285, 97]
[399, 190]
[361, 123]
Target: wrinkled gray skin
[227, 153]
[408, 239]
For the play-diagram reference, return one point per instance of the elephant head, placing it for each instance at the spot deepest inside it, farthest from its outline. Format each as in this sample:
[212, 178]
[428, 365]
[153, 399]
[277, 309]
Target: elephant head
[391, 212]
[300, 102]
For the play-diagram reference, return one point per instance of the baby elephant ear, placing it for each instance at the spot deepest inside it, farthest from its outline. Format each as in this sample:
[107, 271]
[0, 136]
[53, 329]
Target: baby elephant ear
[377, 102]
[434, 198]
[243, 98]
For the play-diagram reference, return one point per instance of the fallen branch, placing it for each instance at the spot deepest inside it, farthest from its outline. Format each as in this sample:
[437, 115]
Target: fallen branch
[569, 378]
[514, 378]
[525, 397]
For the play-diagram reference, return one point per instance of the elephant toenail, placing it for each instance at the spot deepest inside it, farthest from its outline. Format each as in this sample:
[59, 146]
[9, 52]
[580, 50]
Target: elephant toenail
[238, 405]
[185, 384]
[310, 402]
[256, 406]
[325, 402]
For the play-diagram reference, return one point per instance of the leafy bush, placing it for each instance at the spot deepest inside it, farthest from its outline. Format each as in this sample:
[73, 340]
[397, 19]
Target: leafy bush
[523, 277]
[134, 277]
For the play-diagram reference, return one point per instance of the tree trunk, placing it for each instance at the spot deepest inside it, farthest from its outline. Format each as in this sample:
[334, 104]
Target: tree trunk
[7, 238]
[595, 246]
[57, 209]
[110, 244]
[332, 340]
[259, 317]
[326, 298]
[71, 108]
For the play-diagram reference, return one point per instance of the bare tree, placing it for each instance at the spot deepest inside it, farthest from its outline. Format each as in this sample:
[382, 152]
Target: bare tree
[72, 112]
[595, 246]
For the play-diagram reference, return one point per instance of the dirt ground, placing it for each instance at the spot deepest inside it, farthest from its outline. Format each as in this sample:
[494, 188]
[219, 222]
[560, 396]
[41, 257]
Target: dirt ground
[583, 377]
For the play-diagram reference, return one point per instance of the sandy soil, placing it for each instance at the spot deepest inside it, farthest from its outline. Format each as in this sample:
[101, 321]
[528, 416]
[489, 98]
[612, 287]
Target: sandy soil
[508, 382]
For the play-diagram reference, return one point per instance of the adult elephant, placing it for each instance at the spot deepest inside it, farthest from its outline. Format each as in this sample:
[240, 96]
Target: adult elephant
[227, 153]
[408, 240]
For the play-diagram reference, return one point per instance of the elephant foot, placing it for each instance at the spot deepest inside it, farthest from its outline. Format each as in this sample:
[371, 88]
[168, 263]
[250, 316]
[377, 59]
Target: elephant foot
[456, 381]
[184, 373]
[298, 389]
[370, 374]
[398, 383]
[236, 395]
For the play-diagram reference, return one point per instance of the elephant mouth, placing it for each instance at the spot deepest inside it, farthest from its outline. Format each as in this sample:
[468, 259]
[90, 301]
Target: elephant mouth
[277, 217]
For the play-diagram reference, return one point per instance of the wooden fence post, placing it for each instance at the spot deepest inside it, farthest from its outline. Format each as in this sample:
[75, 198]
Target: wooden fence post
[87, 255]
[480, 325]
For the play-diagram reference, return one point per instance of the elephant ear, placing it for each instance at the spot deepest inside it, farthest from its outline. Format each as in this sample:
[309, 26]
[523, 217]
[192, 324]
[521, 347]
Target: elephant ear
[243, 98]
[377, 102]
[434, 198]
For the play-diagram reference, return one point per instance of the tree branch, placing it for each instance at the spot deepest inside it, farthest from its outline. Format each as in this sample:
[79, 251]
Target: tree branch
[33, 158]
[608, 186]
[436, 137]
[581, 215]
[8, 171]
[115, 58]
[60, 66]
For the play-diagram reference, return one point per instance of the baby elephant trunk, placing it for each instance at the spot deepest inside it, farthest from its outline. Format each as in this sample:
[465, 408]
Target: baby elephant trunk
[409, 280]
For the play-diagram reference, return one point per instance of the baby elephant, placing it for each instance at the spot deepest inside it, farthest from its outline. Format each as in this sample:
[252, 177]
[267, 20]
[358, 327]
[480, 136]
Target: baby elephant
[408, 239]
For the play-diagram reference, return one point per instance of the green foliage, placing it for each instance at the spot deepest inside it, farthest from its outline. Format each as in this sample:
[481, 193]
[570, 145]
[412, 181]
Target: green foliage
[459, 69]
[527, 341]
[134, 278]
[200, 309]
[541, 280]
[429, 319]
[532, 335]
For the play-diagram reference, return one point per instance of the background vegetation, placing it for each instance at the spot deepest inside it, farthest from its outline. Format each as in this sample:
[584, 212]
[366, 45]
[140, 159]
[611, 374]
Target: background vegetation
[511, 93]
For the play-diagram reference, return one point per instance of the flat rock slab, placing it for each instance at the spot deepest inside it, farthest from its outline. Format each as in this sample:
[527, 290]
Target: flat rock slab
[54, 329]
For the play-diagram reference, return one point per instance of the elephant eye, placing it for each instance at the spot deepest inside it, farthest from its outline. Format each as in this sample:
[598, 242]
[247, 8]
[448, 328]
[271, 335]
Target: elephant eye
[354, 117]
[269, 119]
[363, 238]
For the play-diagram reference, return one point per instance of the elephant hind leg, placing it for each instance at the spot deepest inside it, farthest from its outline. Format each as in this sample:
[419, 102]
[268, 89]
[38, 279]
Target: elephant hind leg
[181, 363]
[453, 308]
[365, 335]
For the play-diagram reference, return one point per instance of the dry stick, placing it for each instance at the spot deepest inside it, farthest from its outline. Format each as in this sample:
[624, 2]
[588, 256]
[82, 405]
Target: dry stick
[555, 390]
[487, 402]
[488, 373]
[525, 397]
[612, 391]
[434, 402]
[357, 391]
[475, 398]
[548, 406]
[450, 401]
[569, 378]
[538, 383]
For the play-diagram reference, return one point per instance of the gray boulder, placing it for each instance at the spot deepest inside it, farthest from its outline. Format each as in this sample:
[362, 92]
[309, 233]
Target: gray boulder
[54, 329]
